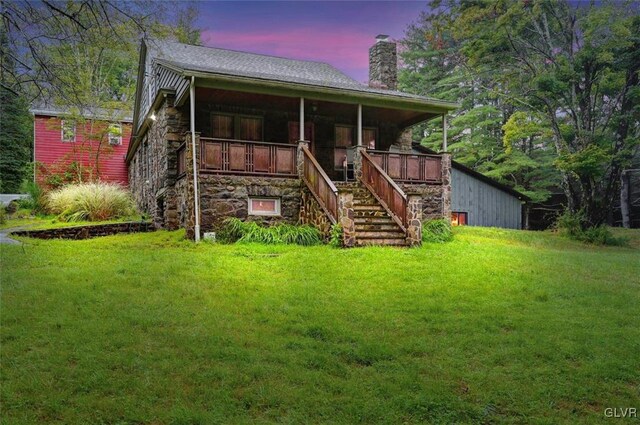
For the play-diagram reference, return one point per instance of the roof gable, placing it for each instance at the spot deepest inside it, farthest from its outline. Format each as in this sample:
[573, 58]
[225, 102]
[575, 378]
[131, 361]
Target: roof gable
[231, 62]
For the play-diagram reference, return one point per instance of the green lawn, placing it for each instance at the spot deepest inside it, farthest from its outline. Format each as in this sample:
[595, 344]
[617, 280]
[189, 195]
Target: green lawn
[495, 327]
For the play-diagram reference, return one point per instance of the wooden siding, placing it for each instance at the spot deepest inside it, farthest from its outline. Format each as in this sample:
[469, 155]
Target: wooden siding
[486, 205]
[159, 77]
[50, 149]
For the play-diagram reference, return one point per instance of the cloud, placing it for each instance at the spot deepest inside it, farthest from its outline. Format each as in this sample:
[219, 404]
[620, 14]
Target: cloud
[346, 49]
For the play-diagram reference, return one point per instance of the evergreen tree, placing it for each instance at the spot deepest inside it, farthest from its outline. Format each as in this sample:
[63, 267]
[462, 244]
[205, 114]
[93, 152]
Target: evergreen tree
[16, 135]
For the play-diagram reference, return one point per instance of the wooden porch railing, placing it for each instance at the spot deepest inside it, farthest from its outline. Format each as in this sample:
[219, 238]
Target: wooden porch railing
[409, 167]
[227, 156]
[384, 189]
[320, 185]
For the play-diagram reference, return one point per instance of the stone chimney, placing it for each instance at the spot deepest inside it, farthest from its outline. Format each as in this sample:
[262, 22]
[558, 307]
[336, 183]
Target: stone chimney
[383, 64]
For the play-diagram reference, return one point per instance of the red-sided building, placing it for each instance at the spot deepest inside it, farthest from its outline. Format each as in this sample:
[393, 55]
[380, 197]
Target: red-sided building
[97, 143]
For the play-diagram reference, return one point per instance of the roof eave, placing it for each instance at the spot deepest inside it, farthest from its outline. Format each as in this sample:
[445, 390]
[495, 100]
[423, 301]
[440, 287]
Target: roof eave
[312, 91]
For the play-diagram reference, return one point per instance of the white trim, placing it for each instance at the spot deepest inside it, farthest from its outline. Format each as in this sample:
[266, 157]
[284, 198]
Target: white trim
[278, 204]
[62, 139]
[196, 200]
[444, 132]
[359, 137]
[109, 134]
[301, 129]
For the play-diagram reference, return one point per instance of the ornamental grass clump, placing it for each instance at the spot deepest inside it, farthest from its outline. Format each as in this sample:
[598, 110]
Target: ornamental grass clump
[438, 230]
[90, 202]
[236, 230]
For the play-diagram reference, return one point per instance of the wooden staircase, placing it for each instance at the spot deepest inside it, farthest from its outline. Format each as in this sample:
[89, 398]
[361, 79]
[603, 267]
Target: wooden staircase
[374, 226]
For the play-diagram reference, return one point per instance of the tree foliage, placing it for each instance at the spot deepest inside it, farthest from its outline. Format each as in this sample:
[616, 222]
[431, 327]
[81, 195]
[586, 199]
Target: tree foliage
[81, 57]
[549, 91]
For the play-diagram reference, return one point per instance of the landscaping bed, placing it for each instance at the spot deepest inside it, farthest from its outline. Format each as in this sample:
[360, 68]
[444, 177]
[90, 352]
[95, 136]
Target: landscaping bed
[87, 231]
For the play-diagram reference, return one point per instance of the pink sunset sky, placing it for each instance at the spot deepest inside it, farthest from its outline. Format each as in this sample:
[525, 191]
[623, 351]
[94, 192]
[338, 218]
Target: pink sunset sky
[337, 32]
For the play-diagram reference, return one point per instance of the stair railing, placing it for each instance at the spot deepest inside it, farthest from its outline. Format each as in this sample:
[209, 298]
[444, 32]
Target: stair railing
[320, 185]
[386, 191]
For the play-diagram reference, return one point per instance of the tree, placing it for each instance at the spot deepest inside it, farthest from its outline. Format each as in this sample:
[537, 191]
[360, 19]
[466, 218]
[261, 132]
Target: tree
[435, 65]
[562, 79]
[16, 136]
[81, 57]
[578, 66]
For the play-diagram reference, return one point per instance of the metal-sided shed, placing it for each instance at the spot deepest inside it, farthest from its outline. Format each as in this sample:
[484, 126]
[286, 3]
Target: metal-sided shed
[477, 200]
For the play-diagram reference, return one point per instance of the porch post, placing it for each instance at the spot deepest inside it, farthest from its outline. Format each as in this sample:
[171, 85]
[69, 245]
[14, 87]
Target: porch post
[301, 133]
[196, 198]
[444, 132]
[359, 124]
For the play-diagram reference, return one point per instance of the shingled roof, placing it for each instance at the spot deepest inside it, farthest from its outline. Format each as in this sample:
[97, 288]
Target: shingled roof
[264, 67]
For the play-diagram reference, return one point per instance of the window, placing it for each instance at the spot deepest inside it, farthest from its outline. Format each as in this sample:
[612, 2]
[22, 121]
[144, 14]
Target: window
[294, 131]
[241, 127]
[181, 160]
[369, 137]
[344, 136]
[251, 128]
[264, 206]
[68, 132]
[222, 126]
[459, 218]
[115, 134]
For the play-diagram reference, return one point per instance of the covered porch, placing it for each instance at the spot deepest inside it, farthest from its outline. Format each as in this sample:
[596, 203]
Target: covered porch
[265, 140]
[256, 134]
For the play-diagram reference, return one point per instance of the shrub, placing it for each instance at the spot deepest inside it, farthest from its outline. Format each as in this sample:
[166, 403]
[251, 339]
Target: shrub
[575, 226]
[3, 215]
[90, 201]
[236, 230]
[36, 200]
[336, 236]
[438, 230]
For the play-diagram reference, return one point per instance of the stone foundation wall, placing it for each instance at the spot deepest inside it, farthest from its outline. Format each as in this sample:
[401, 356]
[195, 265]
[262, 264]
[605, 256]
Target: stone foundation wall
[153, 169]
[432, 200]
[86, 232]
[311, 213]
[228, 196]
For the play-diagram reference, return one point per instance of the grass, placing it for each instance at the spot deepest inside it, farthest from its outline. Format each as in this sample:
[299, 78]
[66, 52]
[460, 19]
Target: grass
[496, 326]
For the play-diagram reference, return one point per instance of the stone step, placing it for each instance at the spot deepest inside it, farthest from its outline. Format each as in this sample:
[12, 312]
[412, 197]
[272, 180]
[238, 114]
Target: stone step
[385, 226]
[366, 202]
[374, 220]
[381, 234]
[369, 214]
[379, 242]
[368, 207]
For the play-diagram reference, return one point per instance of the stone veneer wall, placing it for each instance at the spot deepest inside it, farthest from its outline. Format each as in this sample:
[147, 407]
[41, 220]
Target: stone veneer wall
[383, 65]
[153, 169]
[223, 196]
[436, 198]
[311, 213]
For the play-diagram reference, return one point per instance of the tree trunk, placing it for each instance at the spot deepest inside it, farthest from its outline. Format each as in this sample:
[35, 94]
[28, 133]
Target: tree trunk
[624, 199]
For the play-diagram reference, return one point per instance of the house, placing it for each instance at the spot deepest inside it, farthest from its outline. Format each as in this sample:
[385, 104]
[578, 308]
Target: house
[220, 133]
[477, 200]
[94, 145]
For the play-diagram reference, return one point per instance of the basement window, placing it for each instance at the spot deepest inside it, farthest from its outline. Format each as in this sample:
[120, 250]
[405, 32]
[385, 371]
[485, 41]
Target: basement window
[264, 206]
[459, 218]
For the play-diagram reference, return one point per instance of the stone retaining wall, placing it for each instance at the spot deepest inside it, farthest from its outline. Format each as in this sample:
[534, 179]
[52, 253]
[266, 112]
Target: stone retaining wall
[86, 232]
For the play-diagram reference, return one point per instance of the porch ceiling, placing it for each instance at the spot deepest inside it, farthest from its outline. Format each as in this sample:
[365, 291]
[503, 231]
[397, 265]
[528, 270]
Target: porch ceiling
[400, 117]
